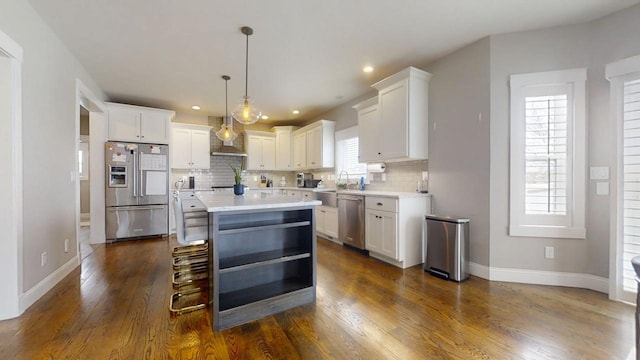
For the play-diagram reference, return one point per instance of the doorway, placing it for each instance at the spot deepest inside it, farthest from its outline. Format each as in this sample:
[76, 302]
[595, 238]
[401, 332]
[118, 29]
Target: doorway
[84, 234]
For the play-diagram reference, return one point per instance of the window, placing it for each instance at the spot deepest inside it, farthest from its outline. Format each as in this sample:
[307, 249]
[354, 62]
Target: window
[630, 181]
[347, 154]
[547, 190]
[624, 76]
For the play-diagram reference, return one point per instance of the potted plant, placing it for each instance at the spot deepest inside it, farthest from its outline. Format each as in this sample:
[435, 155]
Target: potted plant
[238, 188]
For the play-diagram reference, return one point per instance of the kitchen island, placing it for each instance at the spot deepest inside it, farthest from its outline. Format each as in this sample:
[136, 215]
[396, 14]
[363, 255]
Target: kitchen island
[262, 255]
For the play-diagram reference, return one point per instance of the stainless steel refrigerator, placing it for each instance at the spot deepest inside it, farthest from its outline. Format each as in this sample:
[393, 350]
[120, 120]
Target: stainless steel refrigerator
[137, 190]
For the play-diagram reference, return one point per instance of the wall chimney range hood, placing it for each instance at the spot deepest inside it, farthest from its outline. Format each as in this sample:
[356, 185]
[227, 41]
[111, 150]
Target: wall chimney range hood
[228, 151]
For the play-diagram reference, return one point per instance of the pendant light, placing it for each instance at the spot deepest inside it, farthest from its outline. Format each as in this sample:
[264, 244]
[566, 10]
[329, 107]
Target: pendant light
[226, 132]
[246, 112]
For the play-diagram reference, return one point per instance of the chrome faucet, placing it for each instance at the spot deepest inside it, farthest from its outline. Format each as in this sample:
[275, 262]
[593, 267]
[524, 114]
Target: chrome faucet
[340, 178]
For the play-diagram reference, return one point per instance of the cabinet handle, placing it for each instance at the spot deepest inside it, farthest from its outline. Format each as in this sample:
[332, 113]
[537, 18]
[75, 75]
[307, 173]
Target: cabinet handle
[379, 204]
[379, 153]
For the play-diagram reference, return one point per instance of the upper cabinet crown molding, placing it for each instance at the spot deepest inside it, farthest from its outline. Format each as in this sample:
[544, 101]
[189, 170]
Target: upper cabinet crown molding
[138, 123]
[395, 128]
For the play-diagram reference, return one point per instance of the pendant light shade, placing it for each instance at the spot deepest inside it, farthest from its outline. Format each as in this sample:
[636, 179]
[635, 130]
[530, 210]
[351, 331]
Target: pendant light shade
[246, 112]
[226, 132]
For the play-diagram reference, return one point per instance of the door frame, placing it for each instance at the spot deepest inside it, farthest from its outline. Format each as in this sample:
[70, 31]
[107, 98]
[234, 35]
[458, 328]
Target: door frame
[87, 99]
[11, 250]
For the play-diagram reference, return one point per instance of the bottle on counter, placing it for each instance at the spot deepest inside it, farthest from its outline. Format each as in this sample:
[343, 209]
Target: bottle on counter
[362, 183]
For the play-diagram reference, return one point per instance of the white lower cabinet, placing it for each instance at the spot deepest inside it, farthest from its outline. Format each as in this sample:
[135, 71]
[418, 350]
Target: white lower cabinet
[393, 228]
[382, 233]
[327, 221]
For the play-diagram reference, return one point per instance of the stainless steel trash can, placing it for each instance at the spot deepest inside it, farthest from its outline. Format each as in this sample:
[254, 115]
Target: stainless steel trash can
[446, 247]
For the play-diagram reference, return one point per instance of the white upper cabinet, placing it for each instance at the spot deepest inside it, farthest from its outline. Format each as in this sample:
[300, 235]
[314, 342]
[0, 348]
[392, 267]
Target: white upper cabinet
[401, 131]
[314, 145]
[138, 124]
[261, 150]
[368, 130]
[300, 150]
[190, 146]
[284, 147]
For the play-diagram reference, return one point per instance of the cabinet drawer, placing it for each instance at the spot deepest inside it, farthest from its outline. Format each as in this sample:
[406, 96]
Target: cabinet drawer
[381, 203]
[191, 205]
[186, 195]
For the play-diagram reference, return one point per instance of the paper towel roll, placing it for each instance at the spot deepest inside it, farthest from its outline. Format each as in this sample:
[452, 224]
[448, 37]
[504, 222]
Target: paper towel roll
[376, 167]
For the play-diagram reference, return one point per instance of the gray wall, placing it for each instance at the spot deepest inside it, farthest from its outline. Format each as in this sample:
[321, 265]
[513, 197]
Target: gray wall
[459, 141]
[590, 45]
[49, 76]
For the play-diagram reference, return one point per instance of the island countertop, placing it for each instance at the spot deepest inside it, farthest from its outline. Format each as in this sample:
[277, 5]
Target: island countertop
[224, 201]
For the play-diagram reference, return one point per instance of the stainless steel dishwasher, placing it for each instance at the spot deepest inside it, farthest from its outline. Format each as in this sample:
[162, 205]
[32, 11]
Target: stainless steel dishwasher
[351, 220]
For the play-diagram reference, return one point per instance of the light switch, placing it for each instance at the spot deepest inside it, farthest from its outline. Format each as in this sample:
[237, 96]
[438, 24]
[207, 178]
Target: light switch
[602, 188]
[599, 173]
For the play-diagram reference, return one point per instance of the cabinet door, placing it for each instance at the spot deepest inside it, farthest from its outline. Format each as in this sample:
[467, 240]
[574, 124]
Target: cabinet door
[124, 124]
[331, 221]
[283, 150]
[389, 234]
[153, 127]
[300, 150]
[269, 153]
[180, 148]
[314, 148]
[321, 216]
[200, 148]
[369, 134]
[372, 233]
[254, 152]
[393, 112]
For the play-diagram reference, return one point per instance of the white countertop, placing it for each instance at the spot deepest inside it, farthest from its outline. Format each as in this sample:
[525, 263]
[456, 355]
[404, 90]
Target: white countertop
[391, 194]
[221, 201]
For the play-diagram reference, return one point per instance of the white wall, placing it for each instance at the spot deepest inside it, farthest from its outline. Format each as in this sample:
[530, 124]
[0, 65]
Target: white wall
[459, 141]
[49, 76]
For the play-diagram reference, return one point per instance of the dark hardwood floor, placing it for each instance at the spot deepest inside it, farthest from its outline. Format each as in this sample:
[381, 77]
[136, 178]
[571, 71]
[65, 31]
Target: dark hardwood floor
[116, 307]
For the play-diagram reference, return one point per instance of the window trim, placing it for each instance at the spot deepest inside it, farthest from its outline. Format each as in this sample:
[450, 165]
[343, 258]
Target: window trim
[521, 224]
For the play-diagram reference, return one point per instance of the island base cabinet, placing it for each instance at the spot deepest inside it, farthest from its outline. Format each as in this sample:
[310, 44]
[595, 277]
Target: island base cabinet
[263, 262]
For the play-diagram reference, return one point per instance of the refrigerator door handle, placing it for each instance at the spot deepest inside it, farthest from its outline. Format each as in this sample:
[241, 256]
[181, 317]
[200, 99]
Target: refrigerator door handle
[136, 207]
[135, 178]
[140, 179]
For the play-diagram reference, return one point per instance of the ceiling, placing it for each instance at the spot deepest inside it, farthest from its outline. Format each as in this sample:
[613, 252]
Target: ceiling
[304, 54]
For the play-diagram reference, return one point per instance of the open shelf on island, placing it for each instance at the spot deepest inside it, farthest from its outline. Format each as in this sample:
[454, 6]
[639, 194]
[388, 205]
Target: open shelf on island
[242, 262]
[264, 225]
[263, 262]
[264, 291]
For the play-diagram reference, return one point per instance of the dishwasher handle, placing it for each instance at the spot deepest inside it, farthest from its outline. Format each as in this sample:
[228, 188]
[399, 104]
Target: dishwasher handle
[350, 198]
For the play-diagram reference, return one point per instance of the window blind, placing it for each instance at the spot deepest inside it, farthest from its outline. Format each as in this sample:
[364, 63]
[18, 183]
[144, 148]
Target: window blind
[631, 181]
[546, 177]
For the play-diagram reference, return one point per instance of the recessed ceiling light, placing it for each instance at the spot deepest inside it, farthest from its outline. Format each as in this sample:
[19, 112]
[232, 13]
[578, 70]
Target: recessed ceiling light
[367, 69]
[296, 112]
[195, 107]
[264, 117]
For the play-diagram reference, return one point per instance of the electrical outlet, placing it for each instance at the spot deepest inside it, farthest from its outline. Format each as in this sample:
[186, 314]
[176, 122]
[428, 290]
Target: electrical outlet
[43, 259]
[549, 252]
[66, 245]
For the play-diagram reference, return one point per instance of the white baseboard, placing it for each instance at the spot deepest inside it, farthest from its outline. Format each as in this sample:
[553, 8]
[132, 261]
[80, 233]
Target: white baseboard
[538, 277]
[479, 270]
[29, 297]
[584, 281]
